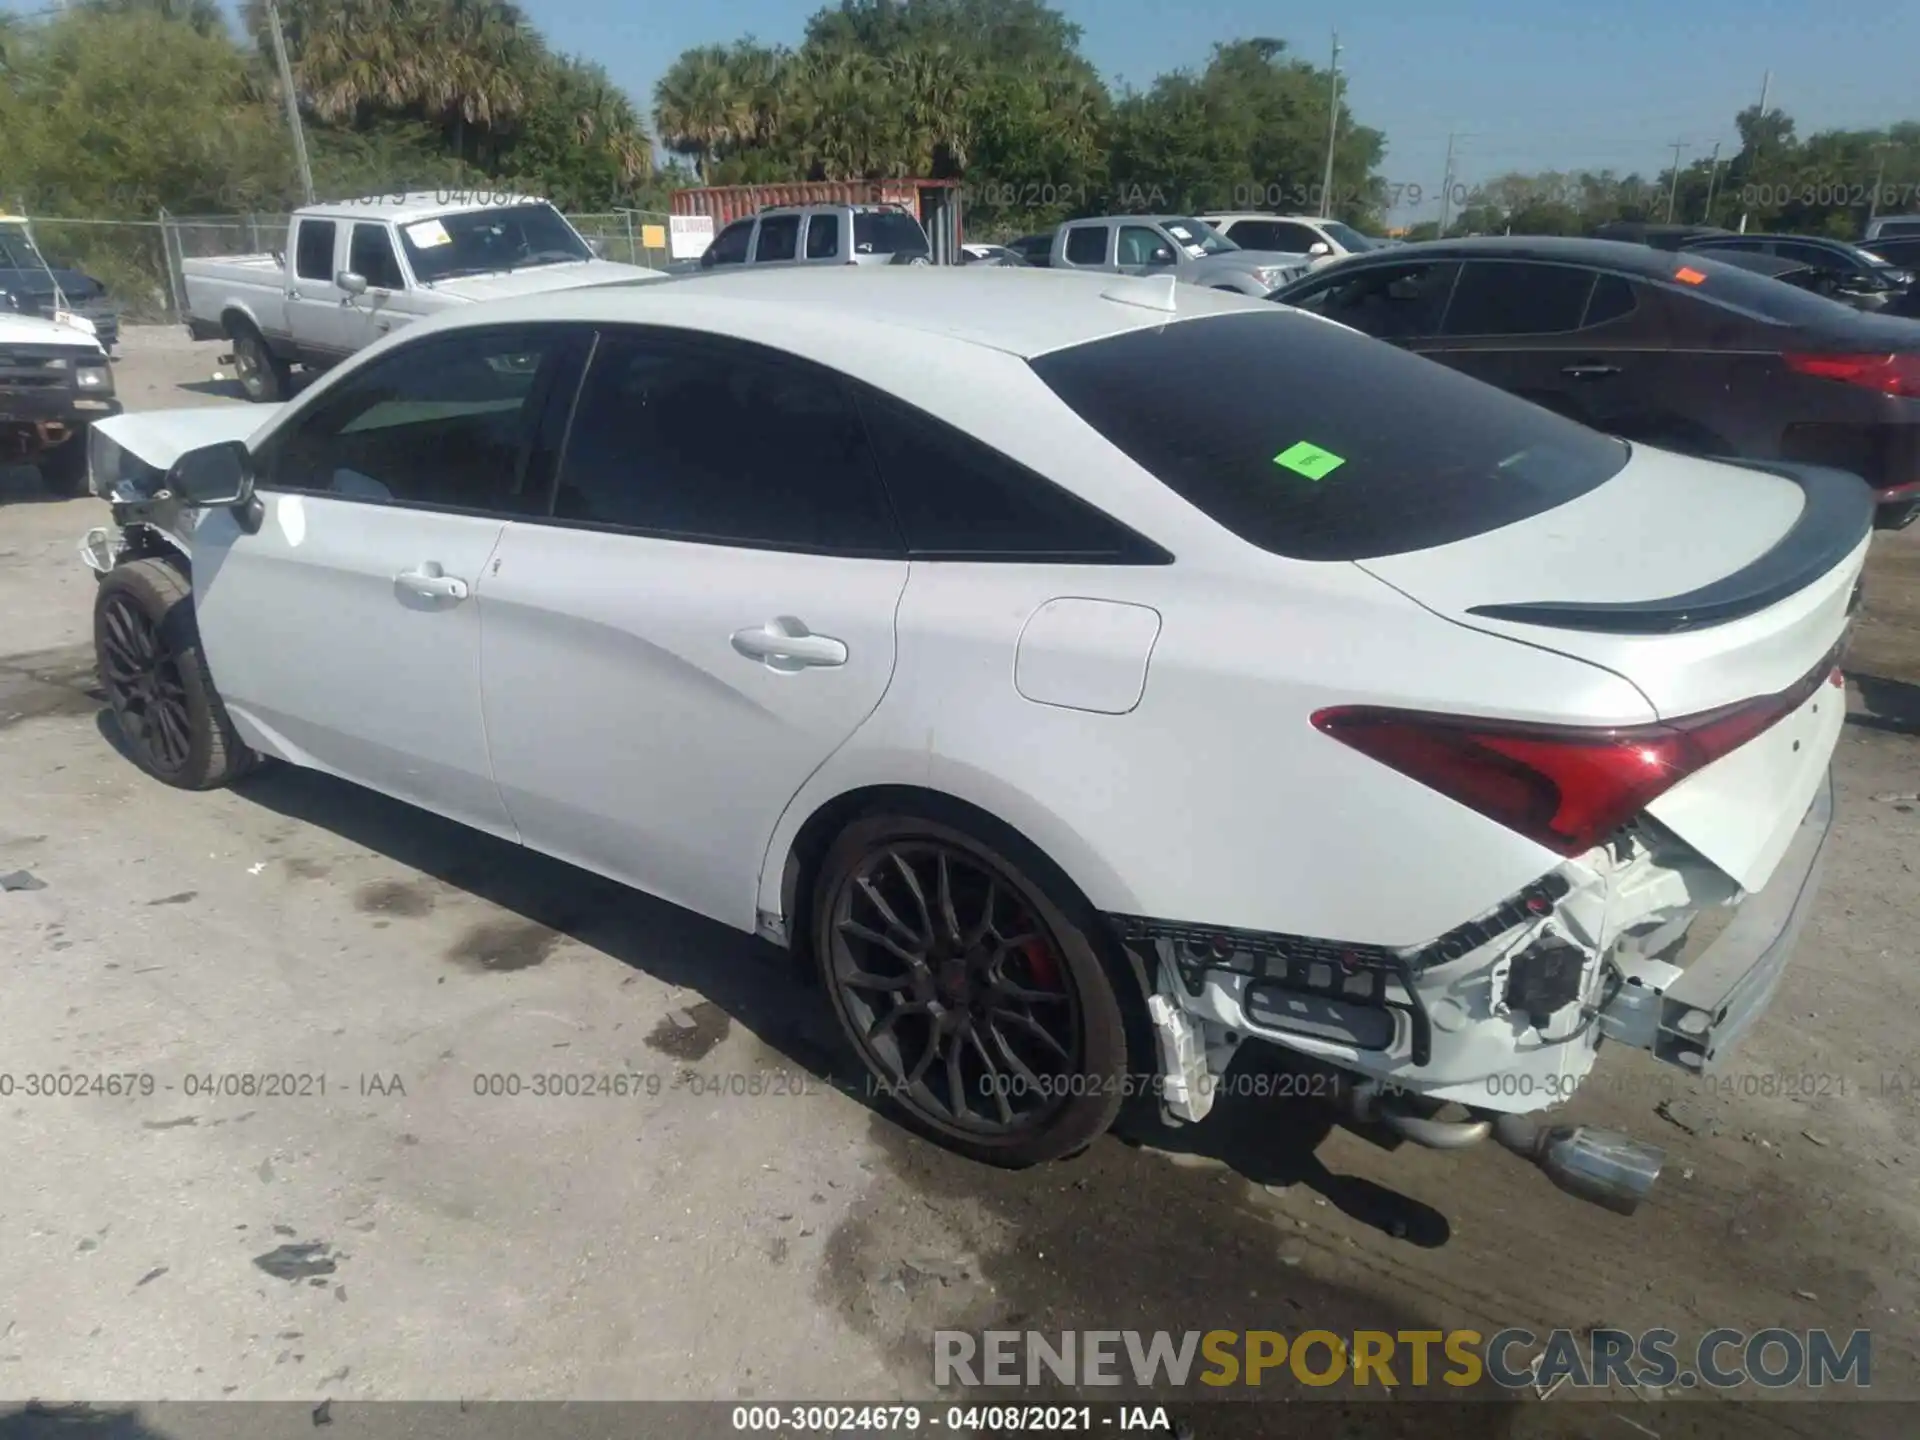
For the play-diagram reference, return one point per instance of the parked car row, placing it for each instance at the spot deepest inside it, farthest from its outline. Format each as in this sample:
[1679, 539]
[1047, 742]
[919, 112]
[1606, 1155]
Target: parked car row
[1672, 348]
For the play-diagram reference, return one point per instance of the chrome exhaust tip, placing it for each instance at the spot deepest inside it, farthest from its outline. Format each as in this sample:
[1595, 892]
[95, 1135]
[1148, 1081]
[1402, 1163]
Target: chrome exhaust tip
[1604, 1167]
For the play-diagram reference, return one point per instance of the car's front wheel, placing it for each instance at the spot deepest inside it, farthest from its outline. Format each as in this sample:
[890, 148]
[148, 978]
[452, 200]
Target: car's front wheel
[970, 989]
[148, 650]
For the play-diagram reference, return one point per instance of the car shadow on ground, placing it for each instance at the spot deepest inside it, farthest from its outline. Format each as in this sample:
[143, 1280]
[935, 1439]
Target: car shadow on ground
[21, 484]
[1266, 1124]
[1890, 705]
[35, 1421]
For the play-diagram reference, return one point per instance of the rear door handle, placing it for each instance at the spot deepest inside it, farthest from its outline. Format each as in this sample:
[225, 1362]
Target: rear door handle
[430, 582]
[785, 644]
[1590, 372]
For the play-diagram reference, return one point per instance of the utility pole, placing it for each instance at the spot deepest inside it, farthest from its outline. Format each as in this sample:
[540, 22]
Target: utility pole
[1713, 172]
[1879, 174]
[1766, 89]
[293, 101]
[1446, 187]
[1673, 190]
[1333, 130]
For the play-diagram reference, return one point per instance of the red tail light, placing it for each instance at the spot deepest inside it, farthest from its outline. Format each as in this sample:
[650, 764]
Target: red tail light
[1889, 374]
[1566, 787]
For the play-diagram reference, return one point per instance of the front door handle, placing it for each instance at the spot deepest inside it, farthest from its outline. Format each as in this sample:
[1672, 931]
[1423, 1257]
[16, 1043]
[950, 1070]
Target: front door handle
[786, 645]
[1590, 372]
[430, 582]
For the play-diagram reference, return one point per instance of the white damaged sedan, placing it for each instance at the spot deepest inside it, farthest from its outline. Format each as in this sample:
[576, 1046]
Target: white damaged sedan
[1090, 677]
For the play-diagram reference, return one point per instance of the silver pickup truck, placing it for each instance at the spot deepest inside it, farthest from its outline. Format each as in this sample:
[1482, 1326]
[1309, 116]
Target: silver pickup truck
[1188, 249]
[354, 270]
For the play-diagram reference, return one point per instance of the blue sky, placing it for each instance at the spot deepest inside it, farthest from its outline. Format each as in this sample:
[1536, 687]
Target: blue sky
[1544, 84]
[1538, 85]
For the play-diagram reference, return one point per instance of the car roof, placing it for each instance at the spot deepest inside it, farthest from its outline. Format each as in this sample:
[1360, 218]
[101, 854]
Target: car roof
[1230, 216]
[1023, 311]
[416, 205]
[1623, 255]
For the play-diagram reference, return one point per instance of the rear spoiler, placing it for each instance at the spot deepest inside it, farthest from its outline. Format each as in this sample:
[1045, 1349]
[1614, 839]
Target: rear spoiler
[1838, 515]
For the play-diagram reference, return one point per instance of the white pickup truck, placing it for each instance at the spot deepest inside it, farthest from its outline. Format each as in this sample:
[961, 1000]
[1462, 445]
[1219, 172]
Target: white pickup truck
[356, 269]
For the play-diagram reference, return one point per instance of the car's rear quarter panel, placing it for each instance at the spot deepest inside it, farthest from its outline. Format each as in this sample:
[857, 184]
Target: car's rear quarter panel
[1215, 800]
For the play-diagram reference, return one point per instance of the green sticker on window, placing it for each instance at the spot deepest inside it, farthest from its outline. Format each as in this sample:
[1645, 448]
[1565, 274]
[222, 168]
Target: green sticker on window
[1309, 460]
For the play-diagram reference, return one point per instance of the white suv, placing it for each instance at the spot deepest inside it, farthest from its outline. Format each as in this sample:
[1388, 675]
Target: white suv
[821, 235]
[1325, 240]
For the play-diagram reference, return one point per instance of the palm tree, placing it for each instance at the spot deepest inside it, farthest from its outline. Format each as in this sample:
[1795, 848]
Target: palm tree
[600, 114]
[696, 105]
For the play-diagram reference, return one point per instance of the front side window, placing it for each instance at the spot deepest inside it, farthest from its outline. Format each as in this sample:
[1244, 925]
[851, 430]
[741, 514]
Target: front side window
[779, 239]
[1319, 444]
[488, 242]
[313, 250]
[721, 443]
[823, 237]
[1140, 245]
[1388, 302]
[1502, 297]
[445, 422]
[370, 256]
[730, 245]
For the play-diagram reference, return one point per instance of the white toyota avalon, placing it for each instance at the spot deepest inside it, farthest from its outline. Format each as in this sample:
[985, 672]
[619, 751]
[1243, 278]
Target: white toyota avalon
[1091, 676]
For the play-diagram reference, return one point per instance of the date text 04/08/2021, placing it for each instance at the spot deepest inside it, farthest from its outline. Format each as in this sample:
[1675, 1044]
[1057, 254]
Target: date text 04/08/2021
[953, 1419]
[194, 1084]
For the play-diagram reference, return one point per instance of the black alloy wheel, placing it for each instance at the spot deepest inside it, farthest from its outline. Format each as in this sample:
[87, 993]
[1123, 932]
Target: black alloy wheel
[974, 1001]
[147, 648]
[144, 685]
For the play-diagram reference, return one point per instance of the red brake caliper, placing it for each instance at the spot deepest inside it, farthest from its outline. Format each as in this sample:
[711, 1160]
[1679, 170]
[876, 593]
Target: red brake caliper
[1046, 973]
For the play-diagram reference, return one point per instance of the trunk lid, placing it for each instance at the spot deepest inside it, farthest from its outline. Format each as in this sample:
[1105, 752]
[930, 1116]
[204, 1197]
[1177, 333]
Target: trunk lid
[1702, 583]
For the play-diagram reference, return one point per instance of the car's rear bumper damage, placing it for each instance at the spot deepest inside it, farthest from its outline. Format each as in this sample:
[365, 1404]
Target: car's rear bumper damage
[1448, 1043]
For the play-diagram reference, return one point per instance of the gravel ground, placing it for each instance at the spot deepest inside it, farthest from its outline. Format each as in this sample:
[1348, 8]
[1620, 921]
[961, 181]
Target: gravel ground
[742, 1224]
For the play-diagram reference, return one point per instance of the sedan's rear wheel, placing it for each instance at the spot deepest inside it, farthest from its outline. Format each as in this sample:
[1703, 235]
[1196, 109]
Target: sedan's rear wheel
[974, 1000]
[147, 648]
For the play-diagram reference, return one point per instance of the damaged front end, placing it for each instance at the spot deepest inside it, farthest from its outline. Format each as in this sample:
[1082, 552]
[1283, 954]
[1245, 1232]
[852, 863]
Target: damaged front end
[1466, 1037]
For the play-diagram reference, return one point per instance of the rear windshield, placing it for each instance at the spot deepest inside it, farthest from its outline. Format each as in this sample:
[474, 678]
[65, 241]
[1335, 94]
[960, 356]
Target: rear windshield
[887, 232]
[1314, 442]
[1760, 296]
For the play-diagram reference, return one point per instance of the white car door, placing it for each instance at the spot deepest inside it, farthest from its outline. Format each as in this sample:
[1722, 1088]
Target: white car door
[345, 632]
[706, 617]
[319, 317]
[386, 305]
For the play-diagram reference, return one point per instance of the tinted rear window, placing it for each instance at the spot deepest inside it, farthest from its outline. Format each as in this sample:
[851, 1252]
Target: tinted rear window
[1761, 296]
[1239, 413]
[887, 232]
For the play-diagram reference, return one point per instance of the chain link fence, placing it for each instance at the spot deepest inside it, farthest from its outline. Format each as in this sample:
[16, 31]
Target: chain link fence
[139, 260]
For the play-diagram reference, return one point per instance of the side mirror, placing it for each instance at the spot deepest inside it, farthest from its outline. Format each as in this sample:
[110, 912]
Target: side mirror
[598, 249]
[1319, 247]
[213, 475]
[706, 259]
[1161, 256]
[350, 282]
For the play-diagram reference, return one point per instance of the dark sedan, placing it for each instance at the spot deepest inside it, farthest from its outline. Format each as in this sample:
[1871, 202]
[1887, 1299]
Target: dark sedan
[1675, 350]
[1869, 268]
